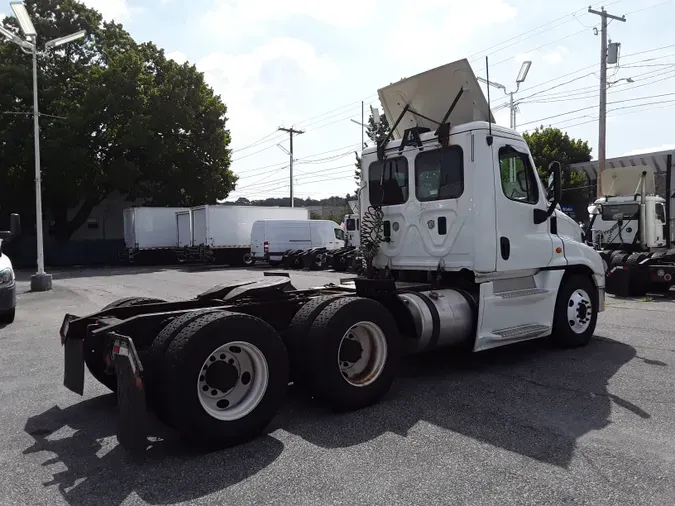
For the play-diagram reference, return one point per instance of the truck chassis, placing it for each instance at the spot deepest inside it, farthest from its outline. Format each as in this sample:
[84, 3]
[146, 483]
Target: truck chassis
[216, 367]
[636, 274]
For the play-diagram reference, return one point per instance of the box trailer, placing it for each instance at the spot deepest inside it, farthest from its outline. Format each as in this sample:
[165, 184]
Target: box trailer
[150, 231]
[222, 233]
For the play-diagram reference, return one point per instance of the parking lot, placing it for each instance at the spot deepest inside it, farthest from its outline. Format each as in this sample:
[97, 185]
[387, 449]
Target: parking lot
[522, 425]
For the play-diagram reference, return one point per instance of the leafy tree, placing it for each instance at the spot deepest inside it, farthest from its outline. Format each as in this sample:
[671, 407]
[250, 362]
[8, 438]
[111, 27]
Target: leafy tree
[116, 116]
[373, 132]
[549, 144]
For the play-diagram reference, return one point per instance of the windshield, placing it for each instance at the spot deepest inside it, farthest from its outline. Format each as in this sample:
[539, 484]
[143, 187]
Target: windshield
[388, 181]
[629, 211]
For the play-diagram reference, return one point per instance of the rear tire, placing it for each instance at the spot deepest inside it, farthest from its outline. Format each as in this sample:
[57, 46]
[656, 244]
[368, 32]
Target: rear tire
[93, 348]
[155, 374]
[353, 348]
[298, 335]
[576, 312]
[227, 375]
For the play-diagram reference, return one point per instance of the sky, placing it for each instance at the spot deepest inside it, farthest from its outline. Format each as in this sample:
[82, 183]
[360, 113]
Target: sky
[309, 64]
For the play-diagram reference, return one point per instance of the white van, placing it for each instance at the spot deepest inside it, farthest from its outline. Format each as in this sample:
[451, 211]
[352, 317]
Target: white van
[271, 238]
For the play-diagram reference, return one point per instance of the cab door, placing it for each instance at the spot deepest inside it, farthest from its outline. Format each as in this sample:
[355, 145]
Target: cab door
[521, 243]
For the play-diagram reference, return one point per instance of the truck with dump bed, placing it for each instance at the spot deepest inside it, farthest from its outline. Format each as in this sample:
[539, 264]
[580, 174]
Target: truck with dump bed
[457, 253]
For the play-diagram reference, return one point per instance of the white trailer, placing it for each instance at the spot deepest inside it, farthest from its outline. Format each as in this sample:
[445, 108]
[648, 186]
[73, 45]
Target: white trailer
[222, 233]
[150, 231]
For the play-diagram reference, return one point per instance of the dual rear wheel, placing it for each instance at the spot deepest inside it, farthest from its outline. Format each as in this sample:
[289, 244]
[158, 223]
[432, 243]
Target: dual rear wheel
[219, 377]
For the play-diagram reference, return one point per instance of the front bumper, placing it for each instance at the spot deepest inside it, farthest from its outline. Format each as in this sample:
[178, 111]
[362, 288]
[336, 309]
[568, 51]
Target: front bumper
[8, 297]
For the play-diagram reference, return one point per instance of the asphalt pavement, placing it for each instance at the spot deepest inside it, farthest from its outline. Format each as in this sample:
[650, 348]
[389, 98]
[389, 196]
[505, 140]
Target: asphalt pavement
[520, 425]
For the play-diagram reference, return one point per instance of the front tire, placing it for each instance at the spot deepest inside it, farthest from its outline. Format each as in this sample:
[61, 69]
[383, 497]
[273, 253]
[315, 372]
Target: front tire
[576, 312]
[227, 375]
[7, 317]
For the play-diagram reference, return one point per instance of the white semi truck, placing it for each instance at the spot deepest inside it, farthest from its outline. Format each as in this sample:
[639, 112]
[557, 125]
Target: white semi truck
[458, 253]
[629, 227]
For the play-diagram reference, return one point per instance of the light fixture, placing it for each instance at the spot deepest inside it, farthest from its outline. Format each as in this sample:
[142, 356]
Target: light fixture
[524, 69]
[23, 18]
[64, 40]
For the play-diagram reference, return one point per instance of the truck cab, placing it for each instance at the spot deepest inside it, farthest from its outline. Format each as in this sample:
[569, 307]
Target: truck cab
[460, 199]
[630, 216]
[7, 279]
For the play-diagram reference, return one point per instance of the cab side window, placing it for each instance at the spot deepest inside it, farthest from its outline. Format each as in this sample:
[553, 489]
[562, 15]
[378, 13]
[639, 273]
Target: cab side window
[339, 234]
[388, 181]
[519, 182]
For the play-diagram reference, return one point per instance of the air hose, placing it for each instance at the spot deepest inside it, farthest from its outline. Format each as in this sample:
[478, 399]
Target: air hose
[371, 235]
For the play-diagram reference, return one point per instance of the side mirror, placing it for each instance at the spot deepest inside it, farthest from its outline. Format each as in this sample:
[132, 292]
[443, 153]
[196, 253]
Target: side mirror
[594, 209]
[555, 192]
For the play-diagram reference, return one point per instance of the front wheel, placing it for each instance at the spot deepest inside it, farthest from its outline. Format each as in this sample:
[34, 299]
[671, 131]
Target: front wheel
[576, 312]
[7, 317]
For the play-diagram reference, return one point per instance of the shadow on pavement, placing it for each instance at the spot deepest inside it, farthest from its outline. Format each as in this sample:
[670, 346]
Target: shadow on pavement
[526, 398]
[98, 471]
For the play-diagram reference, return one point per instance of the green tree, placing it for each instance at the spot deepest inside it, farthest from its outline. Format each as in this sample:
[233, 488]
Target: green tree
[373, 132]
[549, 144]
[116, 116]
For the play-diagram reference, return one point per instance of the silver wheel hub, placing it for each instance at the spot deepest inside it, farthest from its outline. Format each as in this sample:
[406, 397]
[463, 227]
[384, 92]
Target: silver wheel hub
[579, 311]
[362, 354]
[232, 381]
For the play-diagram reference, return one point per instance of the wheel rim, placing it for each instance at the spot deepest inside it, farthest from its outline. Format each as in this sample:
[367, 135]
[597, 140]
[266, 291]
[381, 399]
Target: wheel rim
[362, 354]
[318, 260]
[248, 259]
[232, 381]
[579, 311]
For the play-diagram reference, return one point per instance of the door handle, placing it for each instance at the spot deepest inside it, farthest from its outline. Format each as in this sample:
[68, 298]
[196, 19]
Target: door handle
[505, 247]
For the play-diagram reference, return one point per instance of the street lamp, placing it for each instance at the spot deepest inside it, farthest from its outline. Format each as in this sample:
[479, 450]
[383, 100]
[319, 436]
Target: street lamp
[522, 75]
[40, 281]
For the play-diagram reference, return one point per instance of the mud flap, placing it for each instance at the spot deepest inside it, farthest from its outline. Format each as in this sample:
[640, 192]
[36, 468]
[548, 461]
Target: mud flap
[132, 419]
[73, 359]
[73, 370]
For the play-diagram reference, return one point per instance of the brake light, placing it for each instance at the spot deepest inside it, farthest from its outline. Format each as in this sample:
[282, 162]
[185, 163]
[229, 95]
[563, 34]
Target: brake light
[266, 247]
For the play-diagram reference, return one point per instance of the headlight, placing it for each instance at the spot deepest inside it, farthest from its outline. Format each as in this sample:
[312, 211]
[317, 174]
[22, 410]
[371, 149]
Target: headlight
[6, 276]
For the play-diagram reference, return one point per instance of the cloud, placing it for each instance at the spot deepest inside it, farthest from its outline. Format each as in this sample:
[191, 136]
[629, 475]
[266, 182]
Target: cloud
[119, 10]
[263, 86]
[653, 149]
[237, 19]
[177, 56]
[557, 56]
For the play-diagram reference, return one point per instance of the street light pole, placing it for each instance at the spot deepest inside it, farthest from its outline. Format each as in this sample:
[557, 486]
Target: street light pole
[46, 284]
[40, 281]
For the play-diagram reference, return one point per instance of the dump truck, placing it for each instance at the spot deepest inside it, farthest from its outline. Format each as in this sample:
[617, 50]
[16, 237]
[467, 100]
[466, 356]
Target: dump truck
[461, 248]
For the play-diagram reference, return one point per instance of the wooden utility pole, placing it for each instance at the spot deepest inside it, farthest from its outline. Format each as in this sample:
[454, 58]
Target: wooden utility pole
[602, 153]
[290, 132]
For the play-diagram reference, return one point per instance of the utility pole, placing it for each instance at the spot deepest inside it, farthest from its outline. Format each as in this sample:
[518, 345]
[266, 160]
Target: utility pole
[290, 132]
[602, 147]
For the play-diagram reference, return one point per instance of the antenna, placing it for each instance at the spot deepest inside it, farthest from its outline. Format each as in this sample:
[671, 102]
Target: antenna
[489, 111]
